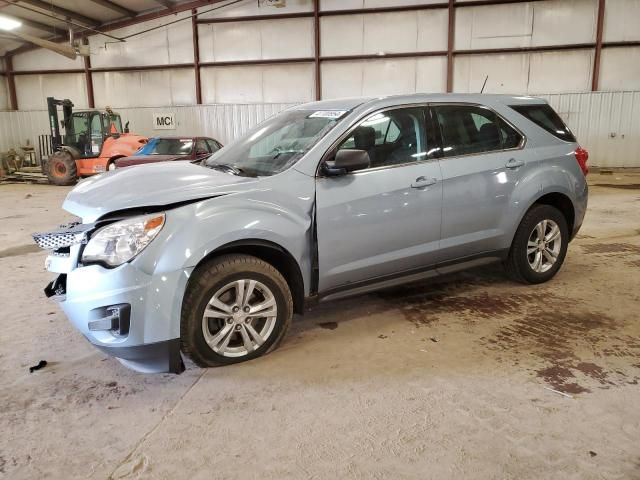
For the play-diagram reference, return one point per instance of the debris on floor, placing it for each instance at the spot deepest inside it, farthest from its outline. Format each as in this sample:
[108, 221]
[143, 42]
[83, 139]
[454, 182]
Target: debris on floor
[328, 325]
[41, 364]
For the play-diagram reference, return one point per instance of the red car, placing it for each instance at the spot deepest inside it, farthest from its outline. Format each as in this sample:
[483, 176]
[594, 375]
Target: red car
[166, 149]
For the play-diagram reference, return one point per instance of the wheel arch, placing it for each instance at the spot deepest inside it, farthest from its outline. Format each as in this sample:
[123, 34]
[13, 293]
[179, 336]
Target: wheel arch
[113, 158]
[563, 203]
[272, 253]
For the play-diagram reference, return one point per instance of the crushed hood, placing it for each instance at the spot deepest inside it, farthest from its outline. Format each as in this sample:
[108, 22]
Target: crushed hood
[152, 185]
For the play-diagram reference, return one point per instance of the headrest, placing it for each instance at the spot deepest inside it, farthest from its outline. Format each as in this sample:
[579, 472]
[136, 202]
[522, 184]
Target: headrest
[364, 138]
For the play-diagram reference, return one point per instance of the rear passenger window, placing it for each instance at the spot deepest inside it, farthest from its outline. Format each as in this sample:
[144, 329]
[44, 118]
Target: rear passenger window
[544, 116]
[510, 136]
[469, 129]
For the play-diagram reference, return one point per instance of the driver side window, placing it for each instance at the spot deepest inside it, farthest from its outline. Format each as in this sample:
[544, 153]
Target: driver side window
[392, 137]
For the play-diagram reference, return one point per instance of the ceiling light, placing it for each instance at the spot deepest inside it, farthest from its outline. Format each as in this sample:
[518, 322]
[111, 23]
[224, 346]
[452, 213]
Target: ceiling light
[7, 23]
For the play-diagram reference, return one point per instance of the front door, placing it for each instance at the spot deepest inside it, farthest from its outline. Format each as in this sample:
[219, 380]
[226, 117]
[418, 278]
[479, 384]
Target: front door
[482, 164]
[385, 219]
[97, 134]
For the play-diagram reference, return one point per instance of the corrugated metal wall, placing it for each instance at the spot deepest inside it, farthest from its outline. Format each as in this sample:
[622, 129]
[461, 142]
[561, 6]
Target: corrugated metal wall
[606, 123]
[223, 121]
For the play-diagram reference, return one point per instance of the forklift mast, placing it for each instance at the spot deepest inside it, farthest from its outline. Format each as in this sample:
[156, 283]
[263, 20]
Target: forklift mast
[67, 110]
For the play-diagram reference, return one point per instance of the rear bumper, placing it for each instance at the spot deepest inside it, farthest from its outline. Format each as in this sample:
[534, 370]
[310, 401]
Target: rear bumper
[580, 210]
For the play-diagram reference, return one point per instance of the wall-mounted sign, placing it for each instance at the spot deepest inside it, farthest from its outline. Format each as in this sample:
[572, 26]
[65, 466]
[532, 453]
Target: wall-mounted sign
[164, 121]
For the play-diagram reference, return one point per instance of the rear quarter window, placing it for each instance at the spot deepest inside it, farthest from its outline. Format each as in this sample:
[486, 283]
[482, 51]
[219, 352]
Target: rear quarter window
[544, 116]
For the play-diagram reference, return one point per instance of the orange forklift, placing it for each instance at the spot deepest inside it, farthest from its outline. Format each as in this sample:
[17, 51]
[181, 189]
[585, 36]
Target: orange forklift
[91, 142]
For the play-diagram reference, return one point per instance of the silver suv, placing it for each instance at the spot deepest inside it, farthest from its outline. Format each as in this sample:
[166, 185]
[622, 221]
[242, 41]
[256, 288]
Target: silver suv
[322, 201]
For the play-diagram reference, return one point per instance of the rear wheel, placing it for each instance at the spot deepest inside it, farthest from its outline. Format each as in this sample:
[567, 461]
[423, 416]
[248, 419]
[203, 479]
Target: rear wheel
[61, 168]
[539, 246]
[111, 166]
[236, 308]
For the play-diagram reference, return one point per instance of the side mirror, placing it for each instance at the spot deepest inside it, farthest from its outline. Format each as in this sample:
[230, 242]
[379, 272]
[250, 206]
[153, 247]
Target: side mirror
[126, 127]
[348, 160]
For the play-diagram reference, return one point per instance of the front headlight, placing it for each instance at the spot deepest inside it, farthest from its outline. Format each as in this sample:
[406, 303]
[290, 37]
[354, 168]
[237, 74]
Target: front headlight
[121, 241]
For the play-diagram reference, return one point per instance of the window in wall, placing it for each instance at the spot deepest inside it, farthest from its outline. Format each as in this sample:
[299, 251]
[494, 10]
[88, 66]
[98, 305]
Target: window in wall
[393, 137]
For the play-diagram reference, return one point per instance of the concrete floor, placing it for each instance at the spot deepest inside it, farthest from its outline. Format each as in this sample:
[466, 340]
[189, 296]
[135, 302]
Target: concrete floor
[446, 379]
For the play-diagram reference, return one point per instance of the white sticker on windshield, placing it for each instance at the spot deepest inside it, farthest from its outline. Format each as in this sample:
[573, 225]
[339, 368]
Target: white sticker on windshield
[328, 114]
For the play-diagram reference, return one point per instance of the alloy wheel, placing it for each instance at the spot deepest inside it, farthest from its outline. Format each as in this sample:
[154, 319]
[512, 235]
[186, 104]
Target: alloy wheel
[239, 318]
[543, 246]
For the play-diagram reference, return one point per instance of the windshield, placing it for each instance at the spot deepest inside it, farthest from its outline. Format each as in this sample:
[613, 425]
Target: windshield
[275, 144]
[112, 122]
[167, 146]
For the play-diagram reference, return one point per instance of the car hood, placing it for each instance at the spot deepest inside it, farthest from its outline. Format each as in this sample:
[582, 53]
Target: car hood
[151, 185]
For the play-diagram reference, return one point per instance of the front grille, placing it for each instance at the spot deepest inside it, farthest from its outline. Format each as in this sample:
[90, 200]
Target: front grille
[64, 237]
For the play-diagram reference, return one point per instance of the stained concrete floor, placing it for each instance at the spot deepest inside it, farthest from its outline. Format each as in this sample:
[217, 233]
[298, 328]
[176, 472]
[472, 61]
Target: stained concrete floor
[453, 378]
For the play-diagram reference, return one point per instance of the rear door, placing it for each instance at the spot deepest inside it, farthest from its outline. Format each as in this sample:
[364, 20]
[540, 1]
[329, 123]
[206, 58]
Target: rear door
[383, 220]
[482, 162]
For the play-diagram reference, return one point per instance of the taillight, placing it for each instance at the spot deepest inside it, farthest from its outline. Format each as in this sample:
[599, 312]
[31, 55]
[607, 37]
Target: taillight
[582, 156]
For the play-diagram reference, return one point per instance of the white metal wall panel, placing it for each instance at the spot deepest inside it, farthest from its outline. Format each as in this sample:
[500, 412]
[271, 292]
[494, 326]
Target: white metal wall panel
[383, 77]
[620, 68]
[506, 73]
[607, 124]
[144, 88]
[566, 21]
[20, 128]
[526, 24]
[566, 71]
[256, 7]
[256, 40]
[258, 83]
[376, 33]
[42, 59]
[518, 73]
[622, 21]
[32, 90]
[496, 26]
[352, 4]
[171, 44]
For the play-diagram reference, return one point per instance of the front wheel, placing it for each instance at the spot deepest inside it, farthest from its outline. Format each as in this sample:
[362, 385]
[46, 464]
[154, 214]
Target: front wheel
[61, 168]
[539, 246]
[236, 308]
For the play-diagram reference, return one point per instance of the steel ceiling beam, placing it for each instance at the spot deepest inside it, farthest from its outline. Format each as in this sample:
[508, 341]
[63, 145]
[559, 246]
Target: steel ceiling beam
[115, 7]
[63, 12]
[35, 25]
[166, 3]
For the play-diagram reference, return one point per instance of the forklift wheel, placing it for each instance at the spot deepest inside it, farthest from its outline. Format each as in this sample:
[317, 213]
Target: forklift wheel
[61, 168]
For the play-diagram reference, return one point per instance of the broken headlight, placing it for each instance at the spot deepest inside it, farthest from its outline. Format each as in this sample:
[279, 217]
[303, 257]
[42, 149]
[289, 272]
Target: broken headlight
[121, 241]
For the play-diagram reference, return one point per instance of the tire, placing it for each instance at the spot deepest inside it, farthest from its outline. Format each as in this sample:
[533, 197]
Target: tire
[214, 286]
[111, 166]
[522, 264]
[61, 169]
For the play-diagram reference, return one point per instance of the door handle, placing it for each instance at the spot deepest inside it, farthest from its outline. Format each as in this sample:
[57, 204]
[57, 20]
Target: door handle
[422, 182]
[513, 163]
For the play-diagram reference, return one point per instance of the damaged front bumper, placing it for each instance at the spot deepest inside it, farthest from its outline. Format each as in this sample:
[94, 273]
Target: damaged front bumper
[124, 311]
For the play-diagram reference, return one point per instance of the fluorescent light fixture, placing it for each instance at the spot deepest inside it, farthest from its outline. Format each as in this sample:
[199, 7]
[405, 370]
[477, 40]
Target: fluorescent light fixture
[7, 23]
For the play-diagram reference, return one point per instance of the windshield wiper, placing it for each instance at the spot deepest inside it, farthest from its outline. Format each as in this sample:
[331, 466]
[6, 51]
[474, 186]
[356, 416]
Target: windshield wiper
[227, 167]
